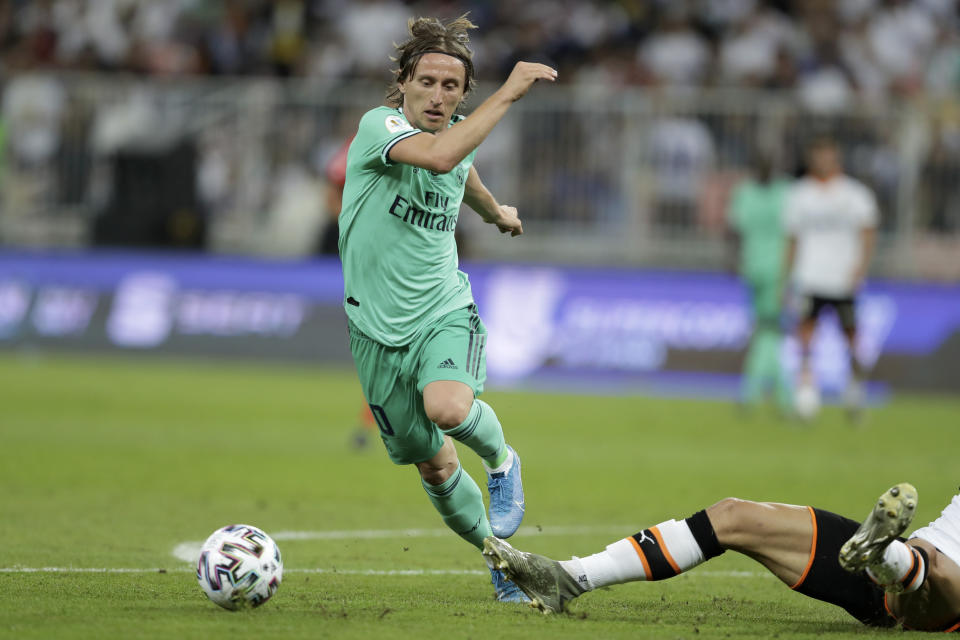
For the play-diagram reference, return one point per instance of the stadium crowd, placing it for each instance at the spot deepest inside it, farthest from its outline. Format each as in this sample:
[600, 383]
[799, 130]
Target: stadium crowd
[829, 50]
[836, 57]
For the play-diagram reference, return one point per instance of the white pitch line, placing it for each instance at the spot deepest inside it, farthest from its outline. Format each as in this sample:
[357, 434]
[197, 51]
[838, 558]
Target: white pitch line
[345, 572]
[376, 534]
[190, 551]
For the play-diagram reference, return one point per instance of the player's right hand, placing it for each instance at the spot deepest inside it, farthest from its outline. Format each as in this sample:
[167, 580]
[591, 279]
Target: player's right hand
[523, 76]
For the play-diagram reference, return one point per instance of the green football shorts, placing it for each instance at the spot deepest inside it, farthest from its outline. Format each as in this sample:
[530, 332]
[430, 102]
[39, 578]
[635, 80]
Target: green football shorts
[393, 378]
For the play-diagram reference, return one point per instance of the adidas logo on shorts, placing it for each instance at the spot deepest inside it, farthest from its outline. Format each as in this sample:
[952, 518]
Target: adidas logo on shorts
[447, 364]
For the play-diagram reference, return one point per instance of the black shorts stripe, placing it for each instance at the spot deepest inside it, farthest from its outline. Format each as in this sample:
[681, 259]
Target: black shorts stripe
[470, 346]
[474, 369]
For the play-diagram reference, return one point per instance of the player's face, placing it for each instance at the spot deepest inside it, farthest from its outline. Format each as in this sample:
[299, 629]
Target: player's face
[432, 94]
[824, 160]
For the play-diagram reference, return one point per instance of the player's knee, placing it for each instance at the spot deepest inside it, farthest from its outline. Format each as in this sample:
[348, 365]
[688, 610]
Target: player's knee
[435, 475]
[441, 466]
[448, 412]
[730, 519]
[436, 472]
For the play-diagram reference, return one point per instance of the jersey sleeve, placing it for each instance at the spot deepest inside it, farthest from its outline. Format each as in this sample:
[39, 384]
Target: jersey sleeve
[380, 129]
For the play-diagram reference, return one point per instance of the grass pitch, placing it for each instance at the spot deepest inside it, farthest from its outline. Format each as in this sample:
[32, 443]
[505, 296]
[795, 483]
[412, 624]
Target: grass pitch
[108, 465]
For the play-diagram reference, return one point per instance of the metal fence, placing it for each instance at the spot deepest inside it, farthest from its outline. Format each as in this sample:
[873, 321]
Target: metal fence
[600, 175]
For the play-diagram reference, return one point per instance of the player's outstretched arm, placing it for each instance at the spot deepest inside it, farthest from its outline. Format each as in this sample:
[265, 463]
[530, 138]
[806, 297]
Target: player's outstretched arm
[478, 197]
[442, 151]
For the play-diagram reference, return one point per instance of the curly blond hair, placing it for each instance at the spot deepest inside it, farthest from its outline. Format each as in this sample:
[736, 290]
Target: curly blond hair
[429, 35]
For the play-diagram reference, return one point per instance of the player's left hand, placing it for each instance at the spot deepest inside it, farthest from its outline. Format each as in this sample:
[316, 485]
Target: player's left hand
[509, 221]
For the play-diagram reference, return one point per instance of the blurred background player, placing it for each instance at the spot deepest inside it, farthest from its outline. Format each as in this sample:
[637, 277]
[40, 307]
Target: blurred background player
[335, 173]
[831, 220]
[865, 569]
[415, 334]
[756, 226]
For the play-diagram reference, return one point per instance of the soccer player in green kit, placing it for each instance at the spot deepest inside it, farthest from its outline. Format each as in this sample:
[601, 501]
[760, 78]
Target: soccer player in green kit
[755, 216]
[415, 335]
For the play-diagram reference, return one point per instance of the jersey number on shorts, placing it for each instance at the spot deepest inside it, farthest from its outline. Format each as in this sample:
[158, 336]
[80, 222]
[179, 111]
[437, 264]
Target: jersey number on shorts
[381, 418]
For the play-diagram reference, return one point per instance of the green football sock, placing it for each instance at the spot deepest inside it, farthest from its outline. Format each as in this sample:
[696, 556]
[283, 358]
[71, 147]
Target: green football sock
[481, 431]
[762, 364]
[461, 506]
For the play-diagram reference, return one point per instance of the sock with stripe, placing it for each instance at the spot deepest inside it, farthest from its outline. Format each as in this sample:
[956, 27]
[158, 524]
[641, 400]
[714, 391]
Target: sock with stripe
[481, 431]
[660, 552]
[460, 504]
[903, 568]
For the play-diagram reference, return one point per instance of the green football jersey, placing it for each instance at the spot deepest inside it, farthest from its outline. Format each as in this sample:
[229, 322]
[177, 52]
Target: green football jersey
[400, 264]
[756, 212]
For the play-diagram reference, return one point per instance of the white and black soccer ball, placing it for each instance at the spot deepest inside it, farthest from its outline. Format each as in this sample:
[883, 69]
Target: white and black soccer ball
[239, 566]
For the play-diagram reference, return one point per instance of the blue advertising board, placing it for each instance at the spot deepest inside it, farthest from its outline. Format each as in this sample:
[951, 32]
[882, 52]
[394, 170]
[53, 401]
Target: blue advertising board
[546, 323]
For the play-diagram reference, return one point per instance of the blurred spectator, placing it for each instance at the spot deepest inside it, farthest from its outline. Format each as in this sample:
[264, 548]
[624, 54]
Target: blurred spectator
[749, 51]
[902, 36]
[874, 47]
[681, 156]
[676, 54]
[842, 58]
[940, 189]
[33, 109]
[943, 72]
[369, 28]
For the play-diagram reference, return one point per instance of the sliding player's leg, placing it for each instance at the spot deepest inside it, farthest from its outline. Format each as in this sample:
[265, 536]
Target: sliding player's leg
[935, 605]
[797, 544]
[922, 583]
[776, 535]
[452, 372]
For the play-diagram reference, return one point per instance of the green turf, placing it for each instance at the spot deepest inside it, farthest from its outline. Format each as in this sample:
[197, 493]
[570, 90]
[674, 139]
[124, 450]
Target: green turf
[110, 463]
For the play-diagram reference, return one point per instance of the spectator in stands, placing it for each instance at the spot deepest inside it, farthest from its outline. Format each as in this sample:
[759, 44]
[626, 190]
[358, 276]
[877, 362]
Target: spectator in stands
[676, 54]
[939, 191]
[681, 154]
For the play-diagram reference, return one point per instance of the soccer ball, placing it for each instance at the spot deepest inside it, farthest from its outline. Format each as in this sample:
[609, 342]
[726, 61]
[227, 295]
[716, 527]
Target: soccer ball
[239, 566]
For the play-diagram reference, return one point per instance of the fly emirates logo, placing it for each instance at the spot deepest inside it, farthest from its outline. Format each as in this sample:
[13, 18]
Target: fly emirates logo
[404, 209]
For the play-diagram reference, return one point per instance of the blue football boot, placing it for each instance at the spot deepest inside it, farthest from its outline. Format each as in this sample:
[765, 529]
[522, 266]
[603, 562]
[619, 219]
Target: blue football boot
[506, 591]
[506, 499]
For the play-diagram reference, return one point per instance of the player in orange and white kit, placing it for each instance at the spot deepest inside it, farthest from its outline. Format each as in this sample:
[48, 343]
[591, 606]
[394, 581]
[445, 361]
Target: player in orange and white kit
[868, 569]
